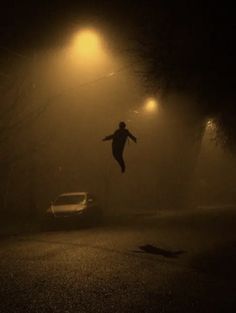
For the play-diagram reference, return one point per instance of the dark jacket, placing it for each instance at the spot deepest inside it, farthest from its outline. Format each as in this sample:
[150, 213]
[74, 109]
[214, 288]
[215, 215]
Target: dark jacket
[119, 139]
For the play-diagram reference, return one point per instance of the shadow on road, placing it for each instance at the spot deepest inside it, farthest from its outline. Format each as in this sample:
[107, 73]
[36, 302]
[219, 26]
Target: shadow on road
[158, 251]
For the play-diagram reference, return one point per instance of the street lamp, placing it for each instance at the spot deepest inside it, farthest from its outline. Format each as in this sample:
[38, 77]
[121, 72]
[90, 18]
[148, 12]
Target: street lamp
[87, 43]
[151, 105]
[210, 125]
[87, 48]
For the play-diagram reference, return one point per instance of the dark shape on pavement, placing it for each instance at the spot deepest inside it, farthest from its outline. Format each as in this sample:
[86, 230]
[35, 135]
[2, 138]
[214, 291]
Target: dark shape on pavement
[158, 251]
[118, 143]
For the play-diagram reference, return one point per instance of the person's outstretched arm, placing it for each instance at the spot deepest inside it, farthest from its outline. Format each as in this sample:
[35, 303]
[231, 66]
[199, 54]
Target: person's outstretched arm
[132, 137]
[110, 137]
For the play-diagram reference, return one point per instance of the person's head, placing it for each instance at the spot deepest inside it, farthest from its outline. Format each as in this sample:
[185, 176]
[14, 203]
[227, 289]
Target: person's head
[122, 125]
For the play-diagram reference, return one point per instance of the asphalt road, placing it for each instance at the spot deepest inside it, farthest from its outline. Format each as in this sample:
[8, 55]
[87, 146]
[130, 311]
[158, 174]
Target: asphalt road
[183, 263]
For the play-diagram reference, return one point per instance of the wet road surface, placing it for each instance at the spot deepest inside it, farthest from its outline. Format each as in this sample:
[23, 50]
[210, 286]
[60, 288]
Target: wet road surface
[183, 263]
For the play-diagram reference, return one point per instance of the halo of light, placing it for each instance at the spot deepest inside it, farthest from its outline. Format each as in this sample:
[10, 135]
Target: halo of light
[87, 47]
[151, 105]
[210, 125]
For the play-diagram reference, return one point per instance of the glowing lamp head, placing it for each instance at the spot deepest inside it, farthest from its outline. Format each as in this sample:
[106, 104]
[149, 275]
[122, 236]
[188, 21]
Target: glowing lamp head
[87, 44]
[210, 125]
[151, 105]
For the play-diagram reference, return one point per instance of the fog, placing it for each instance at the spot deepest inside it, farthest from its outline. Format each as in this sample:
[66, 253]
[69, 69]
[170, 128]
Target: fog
[62, 108]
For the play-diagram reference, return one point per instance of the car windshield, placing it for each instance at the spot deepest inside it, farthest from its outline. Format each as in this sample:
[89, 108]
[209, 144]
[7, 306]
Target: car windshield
[69, 199]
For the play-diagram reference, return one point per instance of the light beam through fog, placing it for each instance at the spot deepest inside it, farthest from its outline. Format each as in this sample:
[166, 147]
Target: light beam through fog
[88, 90]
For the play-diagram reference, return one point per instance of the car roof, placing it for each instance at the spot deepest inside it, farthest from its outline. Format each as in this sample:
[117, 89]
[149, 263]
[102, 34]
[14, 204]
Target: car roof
[73, 193]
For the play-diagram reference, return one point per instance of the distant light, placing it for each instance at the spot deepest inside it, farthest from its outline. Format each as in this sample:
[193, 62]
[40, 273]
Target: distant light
[210, 125]
[151, 105]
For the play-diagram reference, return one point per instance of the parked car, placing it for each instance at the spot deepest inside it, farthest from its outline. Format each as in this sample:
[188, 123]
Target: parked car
[74, 206]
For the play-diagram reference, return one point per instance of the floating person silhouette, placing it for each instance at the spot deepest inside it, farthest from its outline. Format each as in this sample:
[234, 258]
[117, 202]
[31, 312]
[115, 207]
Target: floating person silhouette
[118, 143]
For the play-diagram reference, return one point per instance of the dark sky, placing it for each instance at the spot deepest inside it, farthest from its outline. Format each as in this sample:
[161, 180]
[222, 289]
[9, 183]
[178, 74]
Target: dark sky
[34, 16]
[30, 23]
[193, 38]
[27, 23]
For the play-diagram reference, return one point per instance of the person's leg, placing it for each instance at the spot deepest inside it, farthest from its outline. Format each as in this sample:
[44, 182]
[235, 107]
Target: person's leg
[118, 155]
[122, 163]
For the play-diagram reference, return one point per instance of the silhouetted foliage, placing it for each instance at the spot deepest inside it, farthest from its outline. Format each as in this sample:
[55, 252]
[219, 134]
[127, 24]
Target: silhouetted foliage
[189, 46]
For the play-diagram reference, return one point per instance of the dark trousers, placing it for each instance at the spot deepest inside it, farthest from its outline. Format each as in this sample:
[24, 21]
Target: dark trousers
[118, 155]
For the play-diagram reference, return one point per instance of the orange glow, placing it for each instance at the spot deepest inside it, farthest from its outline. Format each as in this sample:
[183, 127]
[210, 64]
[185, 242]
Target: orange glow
[151, 105]
[87, 46]
[210, 125]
